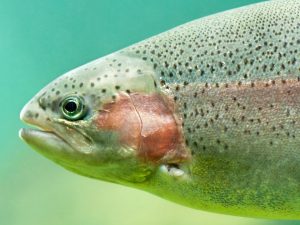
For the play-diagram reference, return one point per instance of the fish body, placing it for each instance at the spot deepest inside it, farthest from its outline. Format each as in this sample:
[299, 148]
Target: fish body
[206, 115]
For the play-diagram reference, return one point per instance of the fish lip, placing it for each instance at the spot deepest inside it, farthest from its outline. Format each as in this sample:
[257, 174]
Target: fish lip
[37, 130]
[24, 133]
[45, 142]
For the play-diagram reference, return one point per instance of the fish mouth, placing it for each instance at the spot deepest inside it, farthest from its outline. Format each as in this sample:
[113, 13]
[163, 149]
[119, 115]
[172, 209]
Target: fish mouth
[40, 136]
[51, 136]
[45, 142]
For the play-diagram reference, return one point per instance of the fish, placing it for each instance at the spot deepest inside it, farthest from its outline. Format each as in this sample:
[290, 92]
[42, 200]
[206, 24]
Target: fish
[206, 115]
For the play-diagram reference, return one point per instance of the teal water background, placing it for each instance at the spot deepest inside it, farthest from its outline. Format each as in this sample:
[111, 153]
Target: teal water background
[40, 40]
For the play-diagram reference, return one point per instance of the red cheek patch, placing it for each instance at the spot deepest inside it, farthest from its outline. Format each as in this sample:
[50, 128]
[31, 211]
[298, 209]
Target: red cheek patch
[146, 122]
[121, 117]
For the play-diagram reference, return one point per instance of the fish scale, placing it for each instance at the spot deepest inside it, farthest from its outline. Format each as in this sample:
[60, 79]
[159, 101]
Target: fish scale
[206, 115]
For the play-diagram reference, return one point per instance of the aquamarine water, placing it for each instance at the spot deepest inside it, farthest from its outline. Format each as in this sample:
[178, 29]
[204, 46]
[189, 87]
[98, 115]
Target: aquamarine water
[40, 40]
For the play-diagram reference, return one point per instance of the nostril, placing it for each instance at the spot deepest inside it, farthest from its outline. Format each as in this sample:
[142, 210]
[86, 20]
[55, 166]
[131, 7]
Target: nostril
[42, 103]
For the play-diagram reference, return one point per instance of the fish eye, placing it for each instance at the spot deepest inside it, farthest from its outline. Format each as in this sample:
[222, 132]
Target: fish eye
[73, 108]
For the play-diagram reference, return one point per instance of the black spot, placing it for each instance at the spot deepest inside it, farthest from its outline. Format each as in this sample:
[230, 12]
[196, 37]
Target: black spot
[162, 83]
[187, 142]
[185, 105]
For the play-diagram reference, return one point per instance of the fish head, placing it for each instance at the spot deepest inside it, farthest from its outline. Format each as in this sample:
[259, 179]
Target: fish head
[86, 122]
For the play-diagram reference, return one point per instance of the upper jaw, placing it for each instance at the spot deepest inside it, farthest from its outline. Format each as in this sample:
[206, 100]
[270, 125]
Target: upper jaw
[42, 138]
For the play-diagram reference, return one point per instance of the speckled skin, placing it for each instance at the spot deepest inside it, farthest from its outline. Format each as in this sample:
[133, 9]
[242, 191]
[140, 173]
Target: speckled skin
[234, 80]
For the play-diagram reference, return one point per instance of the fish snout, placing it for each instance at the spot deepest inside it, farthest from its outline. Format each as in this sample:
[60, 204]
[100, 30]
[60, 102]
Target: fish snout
[32, 114]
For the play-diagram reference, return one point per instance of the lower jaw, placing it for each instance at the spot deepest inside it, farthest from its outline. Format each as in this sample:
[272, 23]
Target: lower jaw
[44, 141]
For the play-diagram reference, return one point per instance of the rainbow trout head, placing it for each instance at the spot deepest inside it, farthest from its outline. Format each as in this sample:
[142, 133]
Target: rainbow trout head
[106, 120]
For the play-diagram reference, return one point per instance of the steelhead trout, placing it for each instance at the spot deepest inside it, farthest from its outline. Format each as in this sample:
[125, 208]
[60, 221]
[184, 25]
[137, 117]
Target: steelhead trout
[206, 115]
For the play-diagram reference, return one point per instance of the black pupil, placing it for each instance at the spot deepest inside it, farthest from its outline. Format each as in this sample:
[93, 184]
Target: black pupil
[71, 107]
